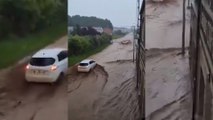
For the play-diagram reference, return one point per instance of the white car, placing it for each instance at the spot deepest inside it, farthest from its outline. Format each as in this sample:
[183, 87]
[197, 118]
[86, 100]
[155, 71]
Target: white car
[47, 65]
[86, 65]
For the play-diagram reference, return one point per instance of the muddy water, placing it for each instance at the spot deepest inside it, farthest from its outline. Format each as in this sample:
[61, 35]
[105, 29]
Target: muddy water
[168, 86]
[20, 100]
[108, 92]
[164, 24]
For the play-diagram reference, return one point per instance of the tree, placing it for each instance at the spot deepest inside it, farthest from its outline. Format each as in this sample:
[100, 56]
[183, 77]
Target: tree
[85, 31]
[89, 21]
[24, 16]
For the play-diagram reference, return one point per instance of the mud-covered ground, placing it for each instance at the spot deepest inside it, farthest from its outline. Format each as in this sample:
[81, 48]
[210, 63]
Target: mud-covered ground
[20, 100]
[168, 86]
[107, 92]
[164, 24]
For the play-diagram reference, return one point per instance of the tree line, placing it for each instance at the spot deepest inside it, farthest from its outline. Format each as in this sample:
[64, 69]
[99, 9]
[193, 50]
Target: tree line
[89, 21]
[85, 31]
[20, 17]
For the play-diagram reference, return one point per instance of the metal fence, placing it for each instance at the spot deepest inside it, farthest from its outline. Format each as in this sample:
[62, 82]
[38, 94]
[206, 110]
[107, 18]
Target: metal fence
[140, 60]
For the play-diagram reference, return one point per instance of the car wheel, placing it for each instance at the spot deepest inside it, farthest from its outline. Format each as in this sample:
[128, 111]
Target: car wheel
[60, 78]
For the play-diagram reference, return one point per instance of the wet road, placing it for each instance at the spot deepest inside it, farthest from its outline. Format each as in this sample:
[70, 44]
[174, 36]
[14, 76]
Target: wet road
[168, 86]
[164, 24]
[108, 92]
[20, 100]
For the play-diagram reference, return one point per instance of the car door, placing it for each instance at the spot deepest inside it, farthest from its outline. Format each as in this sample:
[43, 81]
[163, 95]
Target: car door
[63, 61]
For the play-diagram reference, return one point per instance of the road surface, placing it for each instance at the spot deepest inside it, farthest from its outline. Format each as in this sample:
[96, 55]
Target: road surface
[168, 88]
[164, 24]
[107, 92]
[20, 100]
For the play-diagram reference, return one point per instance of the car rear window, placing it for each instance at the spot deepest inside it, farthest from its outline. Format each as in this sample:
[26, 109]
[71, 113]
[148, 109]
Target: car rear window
[83, 64]
[42, 61]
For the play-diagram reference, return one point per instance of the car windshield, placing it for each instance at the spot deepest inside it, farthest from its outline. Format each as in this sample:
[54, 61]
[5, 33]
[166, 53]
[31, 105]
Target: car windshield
[83, 64]
[42, 61]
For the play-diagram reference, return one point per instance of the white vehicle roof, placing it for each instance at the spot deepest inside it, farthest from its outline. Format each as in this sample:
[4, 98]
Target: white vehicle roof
[51, 52]
[86, 61]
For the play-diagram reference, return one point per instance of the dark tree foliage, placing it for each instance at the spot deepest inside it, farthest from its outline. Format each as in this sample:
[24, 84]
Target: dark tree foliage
[85, 31]
[20, 17]
[89, 21]
[119, 32]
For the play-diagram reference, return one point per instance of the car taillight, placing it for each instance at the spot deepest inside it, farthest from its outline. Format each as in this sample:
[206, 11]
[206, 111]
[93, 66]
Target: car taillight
[27, 67]
[53, 67]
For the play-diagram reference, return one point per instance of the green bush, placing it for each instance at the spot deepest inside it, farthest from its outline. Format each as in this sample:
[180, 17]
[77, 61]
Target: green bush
[104, 39]
[82, 44]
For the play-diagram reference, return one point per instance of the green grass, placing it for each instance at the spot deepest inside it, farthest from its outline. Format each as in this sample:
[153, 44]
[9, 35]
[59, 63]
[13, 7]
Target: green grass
[12, 50]
[76, 59]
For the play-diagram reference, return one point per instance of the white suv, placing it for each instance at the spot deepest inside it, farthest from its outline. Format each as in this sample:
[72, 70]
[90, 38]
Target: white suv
[47, 65]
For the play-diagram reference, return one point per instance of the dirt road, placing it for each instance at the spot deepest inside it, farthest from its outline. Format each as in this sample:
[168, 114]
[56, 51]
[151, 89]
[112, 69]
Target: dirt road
[108, 92]
[20, 100]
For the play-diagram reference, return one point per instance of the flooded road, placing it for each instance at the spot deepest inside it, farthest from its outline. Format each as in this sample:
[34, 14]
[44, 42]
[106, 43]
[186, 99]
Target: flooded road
[168, 86]
[108, 92]
[20, 100]
[164, 24]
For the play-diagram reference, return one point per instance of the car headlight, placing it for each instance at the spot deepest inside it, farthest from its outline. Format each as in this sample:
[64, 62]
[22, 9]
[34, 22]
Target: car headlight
[53, 67]
[27, 67]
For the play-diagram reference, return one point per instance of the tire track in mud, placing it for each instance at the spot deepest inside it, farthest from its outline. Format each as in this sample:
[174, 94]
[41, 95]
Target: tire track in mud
[177, 74]
[17, 85]
[169, 111]
[85, 87]
[104, 73]
[76, 79]
[106, 95]
[120, 61]
[20, 94]
[122, 100]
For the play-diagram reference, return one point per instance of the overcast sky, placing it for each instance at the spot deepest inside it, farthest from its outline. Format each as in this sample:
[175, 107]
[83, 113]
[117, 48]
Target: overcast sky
[122, 13]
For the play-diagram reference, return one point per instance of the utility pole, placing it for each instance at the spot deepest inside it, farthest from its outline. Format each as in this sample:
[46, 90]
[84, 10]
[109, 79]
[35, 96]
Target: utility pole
[183, 31]
[134, 33]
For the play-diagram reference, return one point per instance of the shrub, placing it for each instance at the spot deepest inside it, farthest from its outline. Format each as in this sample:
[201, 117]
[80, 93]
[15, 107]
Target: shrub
[81, 44]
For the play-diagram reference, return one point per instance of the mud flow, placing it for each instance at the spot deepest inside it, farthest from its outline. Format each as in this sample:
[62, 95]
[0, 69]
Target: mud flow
[168, 86]
[167, 79]
[108, 92]
[20, 100]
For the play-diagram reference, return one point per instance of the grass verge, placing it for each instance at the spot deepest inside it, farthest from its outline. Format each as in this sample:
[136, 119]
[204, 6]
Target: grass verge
[76, 59]
[14, 49]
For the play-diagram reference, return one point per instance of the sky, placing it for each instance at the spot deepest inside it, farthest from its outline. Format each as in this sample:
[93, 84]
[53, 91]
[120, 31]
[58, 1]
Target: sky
[122, 13]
